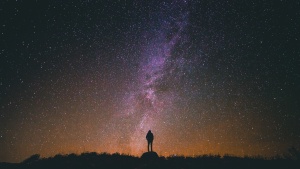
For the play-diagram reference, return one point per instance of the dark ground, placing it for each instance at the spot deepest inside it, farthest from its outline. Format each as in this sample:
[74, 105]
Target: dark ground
[114, 161]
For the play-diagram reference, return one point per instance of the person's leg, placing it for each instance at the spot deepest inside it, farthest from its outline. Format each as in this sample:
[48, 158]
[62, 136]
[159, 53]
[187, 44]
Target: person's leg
[148, 145]
[151, 145]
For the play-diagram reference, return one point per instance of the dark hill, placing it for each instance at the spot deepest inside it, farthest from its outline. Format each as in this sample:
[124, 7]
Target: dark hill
[150, 160]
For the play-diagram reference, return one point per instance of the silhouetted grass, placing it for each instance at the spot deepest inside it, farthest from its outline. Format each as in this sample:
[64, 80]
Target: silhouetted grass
[95, 160]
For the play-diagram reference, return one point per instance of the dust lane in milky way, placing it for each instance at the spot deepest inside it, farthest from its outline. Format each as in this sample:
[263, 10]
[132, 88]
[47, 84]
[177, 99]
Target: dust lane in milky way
[157, 71]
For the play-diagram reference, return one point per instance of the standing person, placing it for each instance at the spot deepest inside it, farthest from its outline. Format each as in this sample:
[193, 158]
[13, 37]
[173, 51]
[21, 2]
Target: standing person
[149, 138]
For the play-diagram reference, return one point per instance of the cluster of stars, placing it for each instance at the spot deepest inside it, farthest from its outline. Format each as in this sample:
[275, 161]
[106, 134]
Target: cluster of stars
[206, 77]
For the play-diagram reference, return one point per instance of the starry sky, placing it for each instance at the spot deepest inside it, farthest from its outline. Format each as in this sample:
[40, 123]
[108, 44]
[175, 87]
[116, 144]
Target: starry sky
[206, 76]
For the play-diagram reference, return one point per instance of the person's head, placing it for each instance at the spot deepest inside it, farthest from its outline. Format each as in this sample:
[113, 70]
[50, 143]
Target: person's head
[149, 131]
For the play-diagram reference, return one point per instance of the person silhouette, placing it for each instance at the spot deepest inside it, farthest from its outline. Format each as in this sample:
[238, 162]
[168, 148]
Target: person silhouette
[149, 138]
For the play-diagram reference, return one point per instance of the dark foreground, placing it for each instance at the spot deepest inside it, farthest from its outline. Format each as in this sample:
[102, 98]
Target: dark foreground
[117, 161]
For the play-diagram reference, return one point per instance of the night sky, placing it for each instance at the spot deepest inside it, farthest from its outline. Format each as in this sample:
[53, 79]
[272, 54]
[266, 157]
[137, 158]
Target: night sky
[206, 77]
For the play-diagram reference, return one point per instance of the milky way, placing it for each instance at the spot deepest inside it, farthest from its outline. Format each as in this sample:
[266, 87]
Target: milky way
[152, 96]
[207, 77]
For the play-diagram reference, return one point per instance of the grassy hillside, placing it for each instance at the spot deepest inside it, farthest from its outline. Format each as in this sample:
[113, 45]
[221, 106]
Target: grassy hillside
[116, 161]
